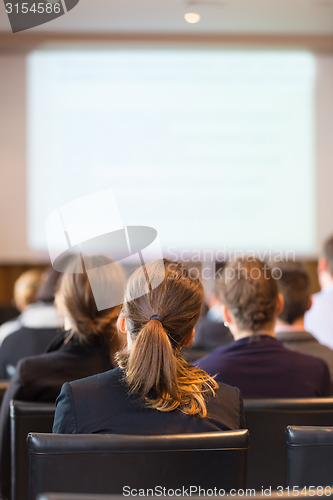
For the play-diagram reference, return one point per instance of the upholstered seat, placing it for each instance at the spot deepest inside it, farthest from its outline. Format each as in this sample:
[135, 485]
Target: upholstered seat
[309, 456]
[84, 463]
[267, 420]
[25, 417]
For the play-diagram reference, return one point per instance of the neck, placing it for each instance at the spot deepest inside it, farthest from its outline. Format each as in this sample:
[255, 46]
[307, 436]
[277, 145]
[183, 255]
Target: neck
[242, 334]
[325, 280]
[68, 324]
[299, 323]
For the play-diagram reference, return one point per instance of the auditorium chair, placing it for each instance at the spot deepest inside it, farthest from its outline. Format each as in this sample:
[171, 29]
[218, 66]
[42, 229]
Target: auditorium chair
[25, 417]
[105, 463]
[309, 456]
[274, 495]
[3, 387]
[266, 420]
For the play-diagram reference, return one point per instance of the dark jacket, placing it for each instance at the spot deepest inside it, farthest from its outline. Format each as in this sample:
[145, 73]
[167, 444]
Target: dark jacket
[39, 378]
[21, 344]
[304, 342]
[263, 368]
[208, 335]
[102, 404]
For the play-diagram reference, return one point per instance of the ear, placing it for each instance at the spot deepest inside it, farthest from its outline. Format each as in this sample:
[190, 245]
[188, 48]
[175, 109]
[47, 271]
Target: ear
[279, 305]
[121, 323]
[310, 303]
[189, 339]
[322, 265]
[226, 314]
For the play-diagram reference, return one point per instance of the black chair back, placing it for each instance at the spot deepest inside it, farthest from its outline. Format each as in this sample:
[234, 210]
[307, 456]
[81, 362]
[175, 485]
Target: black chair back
[309, 456]
[274, 495]
[24, 418]
[267, 420]
[117, 464]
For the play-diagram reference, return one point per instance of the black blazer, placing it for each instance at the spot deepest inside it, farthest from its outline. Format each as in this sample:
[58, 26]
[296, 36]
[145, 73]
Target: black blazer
[101, 404]
[39, 378]
[22, 343]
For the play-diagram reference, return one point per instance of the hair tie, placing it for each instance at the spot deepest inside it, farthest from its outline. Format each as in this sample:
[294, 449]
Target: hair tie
[156, 316]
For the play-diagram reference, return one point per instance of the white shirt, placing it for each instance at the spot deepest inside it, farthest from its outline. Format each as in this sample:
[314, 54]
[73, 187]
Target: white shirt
[36, 315]
[319, 319]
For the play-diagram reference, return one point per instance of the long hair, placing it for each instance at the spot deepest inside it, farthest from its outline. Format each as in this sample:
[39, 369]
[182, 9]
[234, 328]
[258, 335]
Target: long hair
[75, 297]
[154, 368]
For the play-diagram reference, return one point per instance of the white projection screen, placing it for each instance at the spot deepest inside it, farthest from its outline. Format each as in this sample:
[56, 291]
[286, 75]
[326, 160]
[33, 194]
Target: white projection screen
[208, 147]
[216, 149]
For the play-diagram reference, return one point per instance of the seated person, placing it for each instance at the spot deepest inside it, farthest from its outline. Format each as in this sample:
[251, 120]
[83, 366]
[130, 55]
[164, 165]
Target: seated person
[154, 390]
[210, 332]
[319, 319]
[87, 347]
[256, 362]
[294, 285]
[36, 327]
[25, 291]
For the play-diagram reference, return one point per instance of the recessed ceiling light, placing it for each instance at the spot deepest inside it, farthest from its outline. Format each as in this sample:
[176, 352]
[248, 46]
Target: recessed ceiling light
[192, 17]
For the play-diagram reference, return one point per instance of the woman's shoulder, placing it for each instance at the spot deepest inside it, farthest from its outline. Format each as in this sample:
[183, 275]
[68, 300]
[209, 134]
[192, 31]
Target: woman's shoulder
[227, 390]
[83, 404]
[227, 405]
[109, 380]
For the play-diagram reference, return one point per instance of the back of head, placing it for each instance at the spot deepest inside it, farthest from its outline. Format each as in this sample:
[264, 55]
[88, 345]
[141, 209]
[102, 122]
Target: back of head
[48, 285]
[159, 320]
[76, 301]
[249, 291]
[26, 288]
[294, 285]
[328, 254]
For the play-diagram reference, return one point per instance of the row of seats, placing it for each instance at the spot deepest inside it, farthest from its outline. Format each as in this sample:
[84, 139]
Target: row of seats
[266, 421]
[214, 461]
[275, 495]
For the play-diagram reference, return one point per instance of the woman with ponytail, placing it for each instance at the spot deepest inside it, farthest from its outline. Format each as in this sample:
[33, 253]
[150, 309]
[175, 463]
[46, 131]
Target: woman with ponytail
[88, 346]
[154, 390]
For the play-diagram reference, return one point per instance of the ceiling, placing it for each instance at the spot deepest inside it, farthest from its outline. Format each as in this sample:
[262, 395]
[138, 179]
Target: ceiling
[306, 17]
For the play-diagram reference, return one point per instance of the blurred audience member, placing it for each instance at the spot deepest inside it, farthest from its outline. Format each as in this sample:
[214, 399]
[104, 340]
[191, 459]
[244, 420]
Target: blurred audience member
[214, 312]
[25, 291]
[319, 319]
[258, 364]
[295, 287]
[210, 332]
[37, 326]
[88, 347]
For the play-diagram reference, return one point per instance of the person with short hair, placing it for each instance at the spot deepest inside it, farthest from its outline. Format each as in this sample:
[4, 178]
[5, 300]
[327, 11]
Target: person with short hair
[153, 390]
[319, 319]
[256, 361]
[295, 287]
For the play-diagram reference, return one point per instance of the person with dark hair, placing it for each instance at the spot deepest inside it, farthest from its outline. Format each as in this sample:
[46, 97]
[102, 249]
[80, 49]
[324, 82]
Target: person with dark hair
[256, 362]
[88, 346]
[154, 390]
[294, 285]
[319, 319]
[210, 331]
[38, 324]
